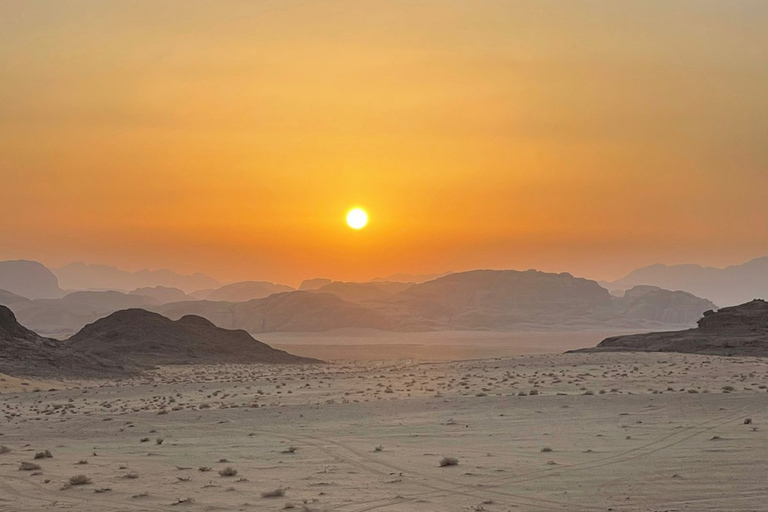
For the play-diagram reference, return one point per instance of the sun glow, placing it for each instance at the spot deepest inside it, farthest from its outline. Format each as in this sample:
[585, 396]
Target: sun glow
[357, 218]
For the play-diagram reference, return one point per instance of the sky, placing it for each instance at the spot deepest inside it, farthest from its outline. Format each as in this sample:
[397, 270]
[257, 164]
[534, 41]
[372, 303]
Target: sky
[231, 137]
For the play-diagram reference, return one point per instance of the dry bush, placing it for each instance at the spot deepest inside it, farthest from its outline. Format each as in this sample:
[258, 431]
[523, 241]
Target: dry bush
[448, 461]
[159, 440]
[277, 493]
[228, 471]
[4, 449]
[290, 449]
[79, 480]
[29, 466]
[546, 449]
[44, 455]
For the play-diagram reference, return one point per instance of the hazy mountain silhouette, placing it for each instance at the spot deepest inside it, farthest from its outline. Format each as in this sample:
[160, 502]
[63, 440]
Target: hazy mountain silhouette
[244, 291]
[162, 294]
[7, 298]
[29, 279]
[728, 286]
[65, 316]
[410, 278]
[291, 311]
[483, 299]
[81, 276]
[738, 331]
[364, 292]
[142, 338]
[314, 284]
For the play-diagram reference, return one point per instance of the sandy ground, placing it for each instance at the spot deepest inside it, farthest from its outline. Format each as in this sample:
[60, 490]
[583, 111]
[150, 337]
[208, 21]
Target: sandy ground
[573, 432]
[371, 344]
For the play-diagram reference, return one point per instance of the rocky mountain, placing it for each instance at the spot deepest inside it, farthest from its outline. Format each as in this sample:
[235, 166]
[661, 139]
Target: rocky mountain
[314, 284]
[7, 298]
[292, 311]
[65, 316]
[82, 276]
[244, 291]
[29, 279]
[142, 338]
[162, 294]
[727, 286]
[483, 300]
[663, 306]
[23, 352]
[734, 331]
[364, 292]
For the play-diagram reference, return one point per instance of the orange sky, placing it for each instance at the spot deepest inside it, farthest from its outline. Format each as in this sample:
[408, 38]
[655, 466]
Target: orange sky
[231, 137]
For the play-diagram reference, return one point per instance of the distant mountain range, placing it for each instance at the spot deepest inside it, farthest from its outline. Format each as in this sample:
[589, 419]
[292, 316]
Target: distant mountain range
[129, 341]
[734, 331]
[724, 286]
[654, 297]
[82, 276]
[475, 300]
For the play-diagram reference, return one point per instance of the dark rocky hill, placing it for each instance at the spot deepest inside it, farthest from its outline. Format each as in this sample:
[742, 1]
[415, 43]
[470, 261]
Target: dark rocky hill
[23, 352]
[734, 331]
[142, 338]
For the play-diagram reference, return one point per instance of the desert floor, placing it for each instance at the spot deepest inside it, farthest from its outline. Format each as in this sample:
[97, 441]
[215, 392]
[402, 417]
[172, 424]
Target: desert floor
[571, 432]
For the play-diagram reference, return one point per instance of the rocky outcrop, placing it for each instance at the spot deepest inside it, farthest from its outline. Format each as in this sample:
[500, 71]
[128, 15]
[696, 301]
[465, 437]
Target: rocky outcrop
[734, 331]
[136, 337]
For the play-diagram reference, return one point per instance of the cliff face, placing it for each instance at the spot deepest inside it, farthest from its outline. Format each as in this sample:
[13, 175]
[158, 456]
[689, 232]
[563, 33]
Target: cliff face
[735, 331]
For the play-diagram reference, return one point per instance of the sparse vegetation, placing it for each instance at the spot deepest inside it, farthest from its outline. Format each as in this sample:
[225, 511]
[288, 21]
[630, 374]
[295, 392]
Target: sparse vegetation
[449, 461]
[4, 449]
[44, 455]
[159, 440]
[277, 493]
[546, 449]
[79, 480]
[228, 471]
[29, 466]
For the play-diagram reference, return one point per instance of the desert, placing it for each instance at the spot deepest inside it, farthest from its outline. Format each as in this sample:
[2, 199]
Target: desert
[592, 431]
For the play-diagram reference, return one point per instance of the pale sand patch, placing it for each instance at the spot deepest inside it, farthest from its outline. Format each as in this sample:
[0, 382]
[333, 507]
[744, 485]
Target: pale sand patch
[544, 432]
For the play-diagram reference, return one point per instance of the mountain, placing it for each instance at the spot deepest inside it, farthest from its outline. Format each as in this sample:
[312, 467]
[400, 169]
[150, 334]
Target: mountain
[724, 286]
[162, 294]
[246, 290]
[410, 278]
[82, 276]
[734, 331]
[505, 299]
[364, 292]
[7, 298]
[65, 316]
[664, 306]
[142, 338]
[314, 284]
[477, 300]
[23, 352]
[29, 279]
[291, 311]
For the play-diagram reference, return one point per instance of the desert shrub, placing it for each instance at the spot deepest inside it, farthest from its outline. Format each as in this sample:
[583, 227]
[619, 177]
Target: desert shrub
[159, 440]
[290, 449]
[546, 449]
[44, 455]
[79, 480]
[228, 471]
[277, 493]
[448, 461]
[29, 466]
[4, 449]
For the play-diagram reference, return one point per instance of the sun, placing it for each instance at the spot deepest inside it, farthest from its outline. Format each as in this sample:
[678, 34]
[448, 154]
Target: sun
[357, 218]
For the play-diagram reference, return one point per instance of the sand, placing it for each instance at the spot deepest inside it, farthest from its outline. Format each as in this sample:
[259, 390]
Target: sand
[571, 432]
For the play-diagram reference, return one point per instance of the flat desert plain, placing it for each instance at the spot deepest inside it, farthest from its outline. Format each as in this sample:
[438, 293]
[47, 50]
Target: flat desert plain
[570, 432]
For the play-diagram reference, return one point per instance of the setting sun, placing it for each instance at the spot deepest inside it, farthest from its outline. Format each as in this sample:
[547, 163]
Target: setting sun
[357, 218]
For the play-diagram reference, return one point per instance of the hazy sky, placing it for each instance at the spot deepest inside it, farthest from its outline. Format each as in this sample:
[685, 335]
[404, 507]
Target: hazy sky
[231, 137]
